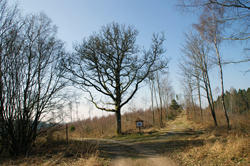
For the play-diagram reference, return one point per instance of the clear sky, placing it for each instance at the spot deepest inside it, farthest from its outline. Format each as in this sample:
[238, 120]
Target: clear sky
[77, 19]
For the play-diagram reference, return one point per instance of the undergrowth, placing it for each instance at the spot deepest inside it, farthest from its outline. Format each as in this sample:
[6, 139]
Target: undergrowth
[218, 145]
[51, 148]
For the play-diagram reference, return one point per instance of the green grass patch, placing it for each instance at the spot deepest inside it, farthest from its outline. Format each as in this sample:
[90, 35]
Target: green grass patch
[137, 137]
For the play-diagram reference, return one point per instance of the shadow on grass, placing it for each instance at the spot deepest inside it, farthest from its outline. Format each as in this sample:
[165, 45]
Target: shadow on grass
[55, 150]
[143, 146]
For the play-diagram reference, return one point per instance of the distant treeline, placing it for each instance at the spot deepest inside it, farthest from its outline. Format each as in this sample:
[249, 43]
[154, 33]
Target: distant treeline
[235, 101]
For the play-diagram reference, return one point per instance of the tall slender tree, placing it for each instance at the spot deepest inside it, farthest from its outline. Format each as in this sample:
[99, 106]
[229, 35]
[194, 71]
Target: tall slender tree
[195, 57]
[235, 21]
[167, 93]
[210, 29]
[151, 86]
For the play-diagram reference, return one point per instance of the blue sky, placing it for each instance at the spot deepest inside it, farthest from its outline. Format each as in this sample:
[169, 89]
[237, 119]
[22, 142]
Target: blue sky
[77, 19]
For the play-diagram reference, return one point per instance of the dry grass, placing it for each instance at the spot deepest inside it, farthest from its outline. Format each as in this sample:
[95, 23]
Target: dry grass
[106, 126]
[219, 146]
[52, 149]
[201, 144]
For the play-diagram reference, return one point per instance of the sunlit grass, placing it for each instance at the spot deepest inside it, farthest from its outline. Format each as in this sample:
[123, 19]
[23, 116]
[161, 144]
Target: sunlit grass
[138, 137]
[220, 146]
[52, 148]
[188, 142]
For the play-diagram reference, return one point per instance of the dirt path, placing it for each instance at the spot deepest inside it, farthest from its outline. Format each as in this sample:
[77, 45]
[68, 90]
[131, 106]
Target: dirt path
[141, 156]
[133, 154]
[146, 151]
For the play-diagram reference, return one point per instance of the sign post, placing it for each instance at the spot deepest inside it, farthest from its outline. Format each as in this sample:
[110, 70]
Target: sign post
[139, 124]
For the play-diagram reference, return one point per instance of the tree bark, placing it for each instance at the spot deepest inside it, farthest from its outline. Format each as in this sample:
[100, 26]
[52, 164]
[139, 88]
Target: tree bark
[199, 95]
[160, 95]
[210, 97]
[156, 102]
[118, 121]
[222, 86]
[152, 100]
[192, 99]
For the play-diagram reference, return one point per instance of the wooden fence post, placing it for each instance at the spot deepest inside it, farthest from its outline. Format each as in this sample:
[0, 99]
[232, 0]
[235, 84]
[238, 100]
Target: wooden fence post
[67, 134]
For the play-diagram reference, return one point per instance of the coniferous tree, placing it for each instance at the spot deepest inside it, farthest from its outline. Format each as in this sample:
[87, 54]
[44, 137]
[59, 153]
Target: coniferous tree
[174, 105]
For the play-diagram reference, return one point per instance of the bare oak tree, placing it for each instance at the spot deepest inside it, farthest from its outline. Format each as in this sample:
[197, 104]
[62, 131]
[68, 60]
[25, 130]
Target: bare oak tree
[111, 63]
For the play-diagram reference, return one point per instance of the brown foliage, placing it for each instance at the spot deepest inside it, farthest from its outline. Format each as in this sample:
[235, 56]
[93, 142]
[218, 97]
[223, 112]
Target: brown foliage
[221, 146]
[51, 148]
[105, 126]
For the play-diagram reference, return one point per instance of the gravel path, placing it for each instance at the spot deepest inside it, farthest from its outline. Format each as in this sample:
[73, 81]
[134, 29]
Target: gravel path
[140, 153]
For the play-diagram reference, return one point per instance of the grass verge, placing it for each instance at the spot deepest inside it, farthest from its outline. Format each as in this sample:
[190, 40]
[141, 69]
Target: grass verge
[54, 151]
[208, 145]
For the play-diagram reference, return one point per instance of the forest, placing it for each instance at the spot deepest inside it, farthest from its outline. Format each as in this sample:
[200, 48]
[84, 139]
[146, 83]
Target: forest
[236, 102]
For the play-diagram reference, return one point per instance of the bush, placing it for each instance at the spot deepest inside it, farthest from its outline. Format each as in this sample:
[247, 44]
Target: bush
[72, 128]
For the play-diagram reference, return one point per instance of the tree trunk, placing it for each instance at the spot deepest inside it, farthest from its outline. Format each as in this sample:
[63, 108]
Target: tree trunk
[199, 95]
[211, 106]
[199, 92]
[222, 99]
[67, 136]
[152, 100]
[210, 97]
[156, 102]
[118, 122]
[160, 96]
[222, 86]
[192, 99]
